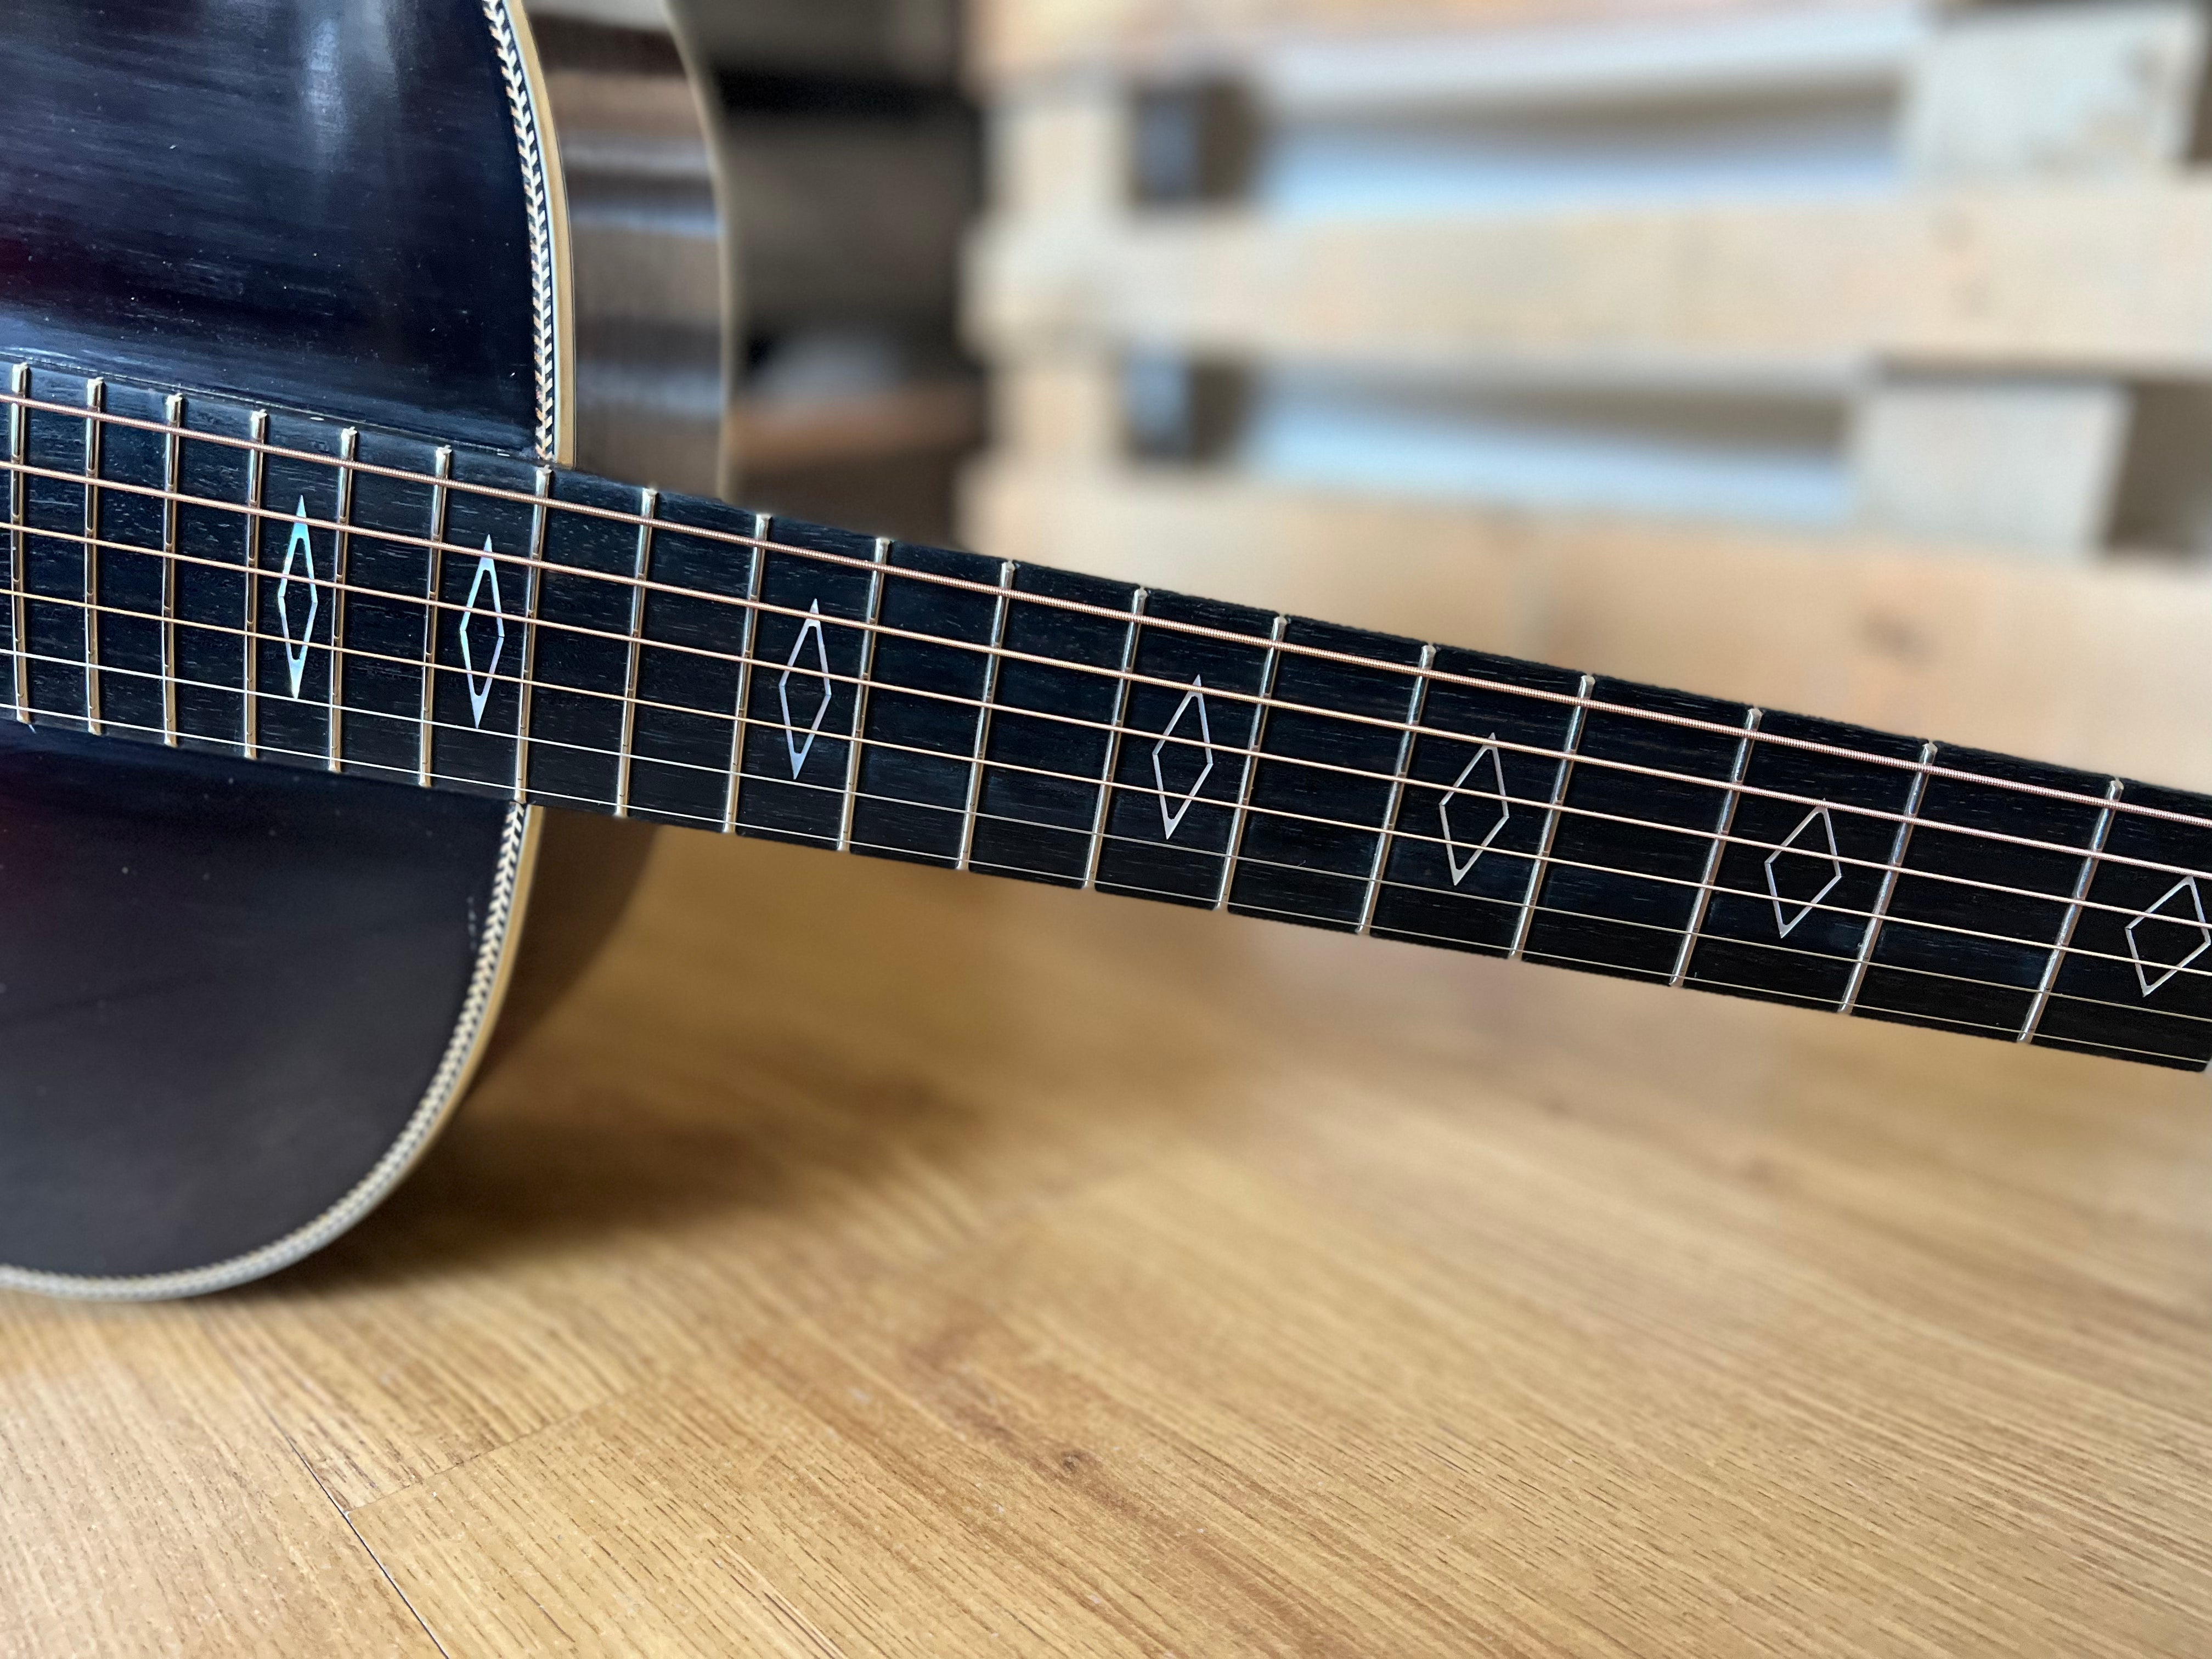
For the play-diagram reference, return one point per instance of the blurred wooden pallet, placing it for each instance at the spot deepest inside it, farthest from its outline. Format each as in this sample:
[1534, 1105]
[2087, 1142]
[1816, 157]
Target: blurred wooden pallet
[2015, 328]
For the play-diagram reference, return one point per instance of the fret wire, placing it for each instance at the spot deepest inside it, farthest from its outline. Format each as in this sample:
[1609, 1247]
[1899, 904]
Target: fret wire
[2034, 1019]
[441, 469]
[256, 483]
[742, 715]
[18, 490]
[1750, 720]
[1267, 672]
[1897, 849]
[1582, 700]
[1558, 863]
[984, 716]
[1198, 630]
[1416, 706]
[860, 699]
[1115, 733]
[1591, 813]
[341, 563]
[649, 500]
[96, 398]
[1566, 765]
[530, 602]
[172, 454]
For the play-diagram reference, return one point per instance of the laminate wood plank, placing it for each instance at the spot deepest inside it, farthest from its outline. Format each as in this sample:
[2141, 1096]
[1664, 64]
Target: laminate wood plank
[148, 1504]
[2074, 277]
[1409, 1356]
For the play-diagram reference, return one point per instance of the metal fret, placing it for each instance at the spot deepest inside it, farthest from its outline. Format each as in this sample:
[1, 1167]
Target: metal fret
[523, 689]
[1705, 895]
[1889, 875]
[984, 716]
[1416, 706]
[762, 523]
[257, 481]
[1259, 746]
[19, 491]
[95, 400]
[2073, 916]
[172, 452]
[441, 469]
[648, 504]
[1528, 916]
[860, 700]
[340, 558]
[1120, 730]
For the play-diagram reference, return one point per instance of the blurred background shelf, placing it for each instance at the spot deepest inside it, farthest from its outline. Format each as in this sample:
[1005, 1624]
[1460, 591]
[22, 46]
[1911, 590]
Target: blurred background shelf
[811, 366]
[1844, 282]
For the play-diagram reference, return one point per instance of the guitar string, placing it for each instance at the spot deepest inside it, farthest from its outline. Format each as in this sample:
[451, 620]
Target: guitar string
[1249, 756]
[415, 664]
[827, 840]
[1711, 887]
[1583, 759]
[735, 539]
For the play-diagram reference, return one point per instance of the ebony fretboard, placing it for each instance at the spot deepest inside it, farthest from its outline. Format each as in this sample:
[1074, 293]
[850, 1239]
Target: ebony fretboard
[269, 585]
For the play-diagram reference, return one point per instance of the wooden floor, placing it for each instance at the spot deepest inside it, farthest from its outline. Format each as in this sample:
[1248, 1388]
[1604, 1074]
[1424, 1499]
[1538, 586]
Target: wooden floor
[865, 1260]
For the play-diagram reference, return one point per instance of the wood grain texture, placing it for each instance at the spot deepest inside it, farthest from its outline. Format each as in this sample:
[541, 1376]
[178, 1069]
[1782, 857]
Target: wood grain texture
[152, 1507]
[865, 1260]
[2057, 276]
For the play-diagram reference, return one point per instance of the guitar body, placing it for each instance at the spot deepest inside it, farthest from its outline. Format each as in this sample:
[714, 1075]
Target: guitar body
[237, 1001]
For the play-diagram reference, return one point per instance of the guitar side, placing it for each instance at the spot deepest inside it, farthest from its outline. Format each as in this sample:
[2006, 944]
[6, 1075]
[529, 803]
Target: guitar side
[239, 1005]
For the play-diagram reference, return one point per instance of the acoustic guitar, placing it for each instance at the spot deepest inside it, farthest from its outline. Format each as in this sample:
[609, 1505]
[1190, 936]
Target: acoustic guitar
[307, 619]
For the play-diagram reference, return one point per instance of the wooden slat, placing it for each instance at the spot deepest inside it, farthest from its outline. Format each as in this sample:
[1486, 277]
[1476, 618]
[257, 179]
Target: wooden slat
[2100, 668]
[2079, 276]
[1028, 37]
[2076, 88]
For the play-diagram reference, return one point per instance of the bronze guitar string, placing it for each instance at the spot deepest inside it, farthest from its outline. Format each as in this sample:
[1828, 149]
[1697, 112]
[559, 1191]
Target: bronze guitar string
[1716, 837]
[1707, 886]
[530, 498]
[1258, 701]
[826, 841]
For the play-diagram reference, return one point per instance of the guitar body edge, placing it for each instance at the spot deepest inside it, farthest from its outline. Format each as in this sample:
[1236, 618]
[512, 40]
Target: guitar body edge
[184, 1163]
[238, 1002]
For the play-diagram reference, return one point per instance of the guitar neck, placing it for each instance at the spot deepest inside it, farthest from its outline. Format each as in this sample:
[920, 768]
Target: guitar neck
[189, 570]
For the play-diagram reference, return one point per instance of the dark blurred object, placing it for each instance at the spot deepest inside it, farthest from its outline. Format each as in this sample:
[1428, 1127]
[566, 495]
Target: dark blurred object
[800, 356]
[1194, 143]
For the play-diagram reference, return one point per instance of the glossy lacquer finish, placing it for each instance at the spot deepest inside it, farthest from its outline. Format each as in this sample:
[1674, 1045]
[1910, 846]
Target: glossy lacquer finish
[225, 989]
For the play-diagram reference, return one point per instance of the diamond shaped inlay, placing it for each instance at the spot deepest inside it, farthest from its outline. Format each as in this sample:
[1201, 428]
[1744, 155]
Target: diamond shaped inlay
[302, 548]
[1172, 821]
[1818, 863]
[809, 629]
[480, 684]
[2188, 921]
[1491, 791]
